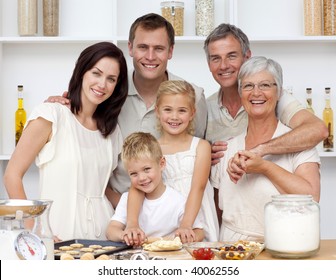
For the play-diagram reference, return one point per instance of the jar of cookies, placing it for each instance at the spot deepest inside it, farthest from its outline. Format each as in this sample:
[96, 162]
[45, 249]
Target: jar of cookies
[173, 11]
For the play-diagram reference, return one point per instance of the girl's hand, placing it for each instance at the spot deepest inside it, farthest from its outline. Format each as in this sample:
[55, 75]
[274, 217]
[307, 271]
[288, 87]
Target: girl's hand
[186, 234]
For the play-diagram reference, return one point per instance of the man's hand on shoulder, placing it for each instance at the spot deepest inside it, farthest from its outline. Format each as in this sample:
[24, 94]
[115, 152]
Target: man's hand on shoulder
[59, 99]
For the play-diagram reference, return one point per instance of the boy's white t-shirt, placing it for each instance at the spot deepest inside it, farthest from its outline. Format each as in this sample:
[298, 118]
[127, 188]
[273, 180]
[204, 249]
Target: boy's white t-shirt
[158, 217]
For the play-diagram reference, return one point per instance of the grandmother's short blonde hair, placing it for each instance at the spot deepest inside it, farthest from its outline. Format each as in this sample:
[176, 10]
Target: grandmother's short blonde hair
[140, 145]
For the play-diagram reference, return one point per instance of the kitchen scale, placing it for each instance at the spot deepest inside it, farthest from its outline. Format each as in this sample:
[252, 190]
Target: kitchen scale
[16, 242]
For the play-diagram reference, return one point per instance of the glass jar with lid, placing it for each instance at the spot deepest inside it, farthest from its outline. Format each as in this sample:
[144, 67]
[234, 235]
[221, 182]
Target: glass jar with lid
[27, 17]
[204, 17]
[292, 226]
[329, 17]
[313, 13]
[173, 11]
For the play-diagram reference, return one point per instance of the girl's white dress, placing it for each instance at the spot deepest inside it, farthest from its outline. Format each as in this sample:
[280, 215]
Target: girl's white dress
[178, 174]
[75, 166]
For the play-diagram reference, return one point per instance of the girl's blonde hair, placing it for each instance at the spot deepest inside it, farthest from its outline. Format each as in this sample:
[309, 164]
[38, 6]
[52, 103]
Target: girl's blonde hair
[139, 145]
[175, 87]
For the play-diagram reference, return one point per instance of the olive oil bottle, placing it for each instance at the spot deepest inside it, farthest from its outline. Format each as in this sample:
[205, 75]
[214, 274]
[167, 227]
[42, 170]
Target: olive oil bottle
[328, 118]
[309, 102]
[20, 115]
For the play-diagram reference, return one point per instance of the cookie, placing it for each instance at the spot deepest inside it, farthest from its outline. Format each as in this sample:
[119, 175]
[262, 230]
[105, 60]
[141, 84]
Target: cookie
[95, 246]
[103, 257]
[72, 252]
[65, 248]
[108, 248]
[86, 249]
[66, 257]
[87, 256]
[77, 245]
[99, 251]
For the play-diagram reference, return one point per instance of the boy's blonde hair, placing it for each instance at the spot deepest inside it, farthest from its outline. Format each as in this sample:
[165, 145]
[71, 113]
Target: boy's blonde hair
[140, 145]
[175, 87]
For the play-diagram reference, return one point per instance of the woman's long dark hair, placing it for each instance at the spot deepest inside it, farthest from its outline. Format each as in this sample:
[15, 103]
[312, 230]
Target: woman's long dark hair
[108, 111]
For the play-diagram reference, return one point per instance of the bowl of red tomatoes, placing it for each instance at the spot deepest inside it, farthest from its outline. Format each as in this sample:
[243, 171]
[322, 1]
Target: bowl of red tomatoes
[200, 250]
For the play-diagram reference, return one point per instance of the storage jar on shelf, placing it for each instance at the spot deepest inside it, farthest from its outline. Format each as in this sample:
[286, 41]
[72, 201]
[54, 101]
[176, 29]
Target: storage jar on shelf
[173, 11]
[313, 17]
[329, 18]
[27, 17]
[204, 17]
[50, 17]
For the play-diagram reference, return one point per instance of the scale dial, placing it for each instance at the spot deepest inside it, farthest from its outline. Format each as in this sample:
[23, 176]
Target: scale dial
[29, 246]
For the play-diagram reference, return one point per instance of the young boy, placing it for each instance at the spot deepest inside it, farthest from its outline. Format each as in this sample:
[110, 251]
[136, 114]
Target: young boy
[163, 207]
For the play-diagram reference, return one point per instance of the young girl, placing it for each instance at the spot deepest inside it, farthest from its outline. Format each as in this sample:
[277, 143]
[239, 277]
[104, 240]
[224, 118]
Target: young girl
[188, 160]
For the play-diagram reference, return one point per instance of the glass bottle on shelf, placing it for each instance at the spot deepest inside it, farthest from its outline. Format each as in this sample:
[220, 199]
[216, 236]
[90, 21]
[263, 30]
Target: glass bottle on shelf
[20, 115]
[43, 230]
[309, 101]
[328, 118]
[27, 17]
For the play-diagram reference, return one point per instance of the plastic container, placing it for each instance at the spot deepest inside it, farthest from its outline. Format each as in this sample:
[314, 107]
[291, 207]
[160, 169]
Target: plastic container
[50, 17]
[292, 226]
[173, 11]
[313, 12]
[204, 17]
[27, 17]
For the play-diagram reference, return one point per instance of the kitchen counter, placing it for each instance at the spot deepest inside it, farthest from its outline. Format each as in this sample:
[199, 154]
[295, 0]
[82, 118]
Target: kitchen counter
[327, 252]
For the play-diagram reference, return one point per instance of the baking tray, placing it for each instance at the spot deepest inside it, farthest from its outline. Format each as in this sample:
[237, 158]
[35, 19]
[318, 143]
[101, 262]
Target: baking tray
[119, 246]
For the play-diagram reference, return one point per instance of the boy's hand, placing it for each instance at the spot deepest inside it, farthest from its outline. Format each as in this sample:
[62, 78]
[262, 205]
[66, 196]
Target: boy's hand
[134, 236]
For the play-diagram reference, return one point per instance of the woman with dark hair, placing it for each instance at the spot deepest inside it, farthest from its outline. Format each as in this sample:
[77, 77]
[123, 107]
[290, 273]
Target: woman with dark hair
[76, 148]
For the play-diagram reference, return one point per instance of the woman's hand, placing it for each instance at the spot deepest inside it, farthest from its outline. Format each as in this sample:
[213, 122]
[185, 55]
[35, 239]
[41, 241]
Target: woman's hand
[236, 167]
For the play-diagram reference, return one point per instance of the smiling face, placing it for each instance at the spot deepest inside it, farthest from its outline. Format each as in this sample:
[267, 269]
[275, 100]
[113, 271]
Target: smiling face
[150, 51]
[259, 103]
[145, 174]
[225, 60]
[99, 82]
[175, 112]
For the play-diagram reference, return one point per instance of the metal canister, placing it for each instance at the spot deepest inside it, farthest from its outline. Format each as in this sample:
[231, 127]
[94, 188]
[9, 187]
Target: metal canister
[173, 11]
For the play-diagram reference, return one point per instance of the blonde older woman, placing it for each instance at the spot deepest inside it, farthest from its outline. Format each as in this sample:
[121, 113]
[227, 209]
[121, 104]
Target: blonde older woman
[242, 199]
